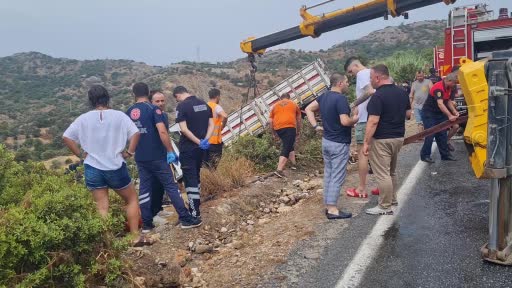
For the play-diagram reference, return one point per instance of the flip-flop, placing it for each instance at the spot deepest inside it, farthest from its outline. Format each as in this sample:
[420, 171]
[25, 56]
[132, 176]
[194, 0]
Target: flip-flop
[352, 192]
[143, 241]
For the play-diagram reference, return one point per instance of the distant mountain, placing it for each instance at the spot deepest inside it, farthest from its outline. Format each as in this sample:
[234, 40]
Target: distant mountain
[41, 95]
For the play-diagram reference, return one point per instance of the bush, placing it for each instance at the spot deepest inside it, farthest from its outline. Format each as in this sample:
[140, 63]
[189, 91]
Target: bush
[50, 232]
[231, 173]
[261, 150]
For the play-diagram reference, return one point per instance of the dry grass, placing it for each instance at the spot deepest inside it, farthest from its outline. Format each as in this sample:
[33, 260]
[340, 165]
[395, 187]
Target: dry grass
[231, 173]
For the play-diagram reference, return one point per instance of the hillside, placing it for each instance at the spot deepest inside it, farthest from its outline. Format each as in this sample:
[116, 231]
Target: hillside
[41, 95]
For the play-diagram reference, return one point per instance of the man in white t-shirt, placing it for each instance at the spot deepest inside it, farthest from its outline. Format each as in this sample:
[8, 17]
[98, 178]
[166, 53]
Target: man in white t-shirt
[102, 134]
[364, 90]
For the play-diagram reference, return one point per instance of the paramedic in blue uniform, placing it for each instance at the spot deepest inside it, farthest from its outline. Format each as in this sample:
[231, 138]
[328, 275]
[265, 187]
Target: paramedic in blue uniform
[195, 119]
[153, 155]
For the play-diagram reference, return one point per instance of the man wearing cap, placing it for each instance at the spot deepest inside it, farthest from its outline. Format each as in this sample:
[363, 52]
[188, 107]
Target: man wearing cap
[194, 117]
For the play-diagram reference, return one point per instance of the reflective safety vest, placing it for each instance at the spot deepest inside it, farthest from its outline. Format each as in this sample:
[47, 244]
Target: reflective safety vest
[217, 126]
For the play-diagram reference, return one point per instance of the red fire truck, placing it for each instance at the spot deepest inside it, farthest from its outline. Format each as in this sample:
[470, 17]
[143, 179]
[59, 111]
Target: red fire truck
[472, 32]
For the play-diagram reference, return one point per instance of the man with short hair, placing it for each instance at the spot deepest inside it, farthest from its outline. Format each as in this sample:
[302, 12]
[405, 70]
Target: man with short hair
[434, 76]
[195, 119]
[364, 90]
[157, 98]
[388, 109]
[437, 109]
[419, 93]
[153, 156]
[337, 126]
[285, 123]
[213, 155]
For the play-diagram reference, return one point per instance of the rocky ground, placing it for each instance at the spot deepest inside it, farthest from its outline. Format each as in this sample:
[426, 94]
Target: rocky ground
[246, 234]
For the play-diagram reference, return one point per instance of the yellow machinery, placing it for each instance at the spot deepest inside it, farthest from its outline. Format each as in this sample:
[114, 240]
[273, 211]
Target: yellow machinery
[314, 26]
[487, 87]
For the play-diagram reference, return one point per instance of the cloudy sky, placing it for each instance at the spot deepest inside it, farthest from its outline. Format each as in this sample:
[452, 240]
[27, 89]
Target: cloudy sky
[161, 32]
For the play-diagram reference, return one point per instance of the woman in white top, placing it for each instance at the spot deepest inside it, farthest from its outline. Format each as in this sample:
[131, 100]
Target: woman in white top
[102, 134]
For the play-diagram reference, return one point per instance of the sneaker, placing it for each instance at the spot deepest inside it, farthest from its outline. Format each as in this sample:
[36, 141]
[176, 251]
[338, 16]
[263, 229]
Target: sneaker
[449, 158]
[352, 192]
[376, 191]
[394, 203]
[164, 213]
[279, 174]
[191, 223]
[340, 215]
[428, 160]
[146, 229]
[379, 211]
[293, 167]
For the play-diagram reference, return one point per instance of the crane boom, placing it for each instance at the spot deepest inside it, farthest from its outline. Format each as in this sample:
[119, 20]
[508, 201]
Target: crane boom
[314, 26]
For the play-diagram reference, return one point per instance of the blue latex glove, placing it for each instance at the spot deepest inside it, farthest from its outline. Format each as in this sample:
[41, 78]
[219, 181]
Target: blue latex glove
[172, 158]
[204, 144]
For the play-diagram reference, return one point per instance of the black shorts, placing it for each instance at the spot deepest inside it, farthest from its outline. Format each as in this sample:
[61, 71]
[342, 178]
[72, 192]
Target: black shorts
[287, 136]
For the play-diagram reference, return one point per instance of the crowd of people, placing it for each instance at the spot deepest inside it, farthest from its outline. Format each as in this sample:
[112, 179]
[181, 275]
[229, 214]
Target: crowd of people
[379, 122]
[100, 138]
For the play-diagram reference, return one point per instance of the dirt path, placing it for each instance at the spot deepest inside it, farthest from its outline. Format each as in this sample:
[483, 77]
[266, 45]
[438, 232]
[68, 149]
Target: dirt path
[246, 233]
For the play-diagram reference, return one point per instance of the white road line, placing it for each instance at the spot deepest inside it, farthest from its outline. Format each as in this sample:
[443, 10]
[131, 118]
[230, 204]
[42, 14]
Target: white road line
[354, 273]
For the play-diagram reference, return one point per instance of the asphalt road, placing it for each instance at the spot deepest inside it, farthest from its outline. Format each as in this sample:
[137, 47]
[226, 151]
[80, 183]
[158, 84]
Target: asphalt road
[434, 241]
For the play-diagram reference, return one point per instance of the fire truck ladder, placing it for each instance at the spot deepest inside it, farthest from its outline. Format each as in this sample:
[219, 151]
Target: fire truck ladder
[458, 40]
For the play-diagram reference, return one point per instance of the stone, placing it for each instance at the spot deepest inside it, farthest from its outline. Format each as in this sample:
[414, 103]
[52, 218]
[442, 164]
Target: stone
[195, 270]
[266, 210]
[250, 222]
[201, 249]
[262, 204]
[284, 209]
[223, 230]
[182, 257]
[237, 245]
[250, 228]
[320, 191]
[284, 199]
[263, 221]
[297, 183]
[140, 281]
[191, 245]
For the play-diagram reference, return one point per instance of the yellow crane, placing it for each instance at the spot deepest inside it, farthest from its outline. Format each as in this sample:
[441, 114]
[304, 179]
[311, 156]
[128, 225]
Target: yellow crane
[315, 25]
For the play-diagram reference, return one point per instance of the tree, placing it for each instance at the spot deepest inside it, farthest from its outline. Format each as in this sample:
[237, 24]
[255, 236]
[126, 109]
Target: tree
[404, 64]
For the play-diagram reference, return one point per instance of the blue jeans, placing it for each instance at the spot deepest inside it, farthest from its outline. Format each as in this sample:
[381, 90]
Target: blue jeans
[335, 169]
[98, 179]
[151, 172]
[431, 120]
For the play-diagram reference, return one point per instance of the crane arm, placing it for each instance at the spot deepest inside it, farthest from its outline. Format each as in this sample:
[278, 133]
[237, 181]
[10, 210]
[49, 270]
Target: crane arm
[314, 26]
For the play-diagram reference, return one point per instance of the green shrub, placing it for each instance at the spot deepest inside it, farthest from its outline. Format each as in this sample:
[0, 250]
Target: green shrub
[50, 232]
[261, 150]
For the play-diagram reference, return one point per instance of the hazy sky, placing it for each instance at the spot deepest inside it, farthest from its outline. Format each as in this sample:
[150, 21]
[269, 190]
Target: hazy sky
[161, 32]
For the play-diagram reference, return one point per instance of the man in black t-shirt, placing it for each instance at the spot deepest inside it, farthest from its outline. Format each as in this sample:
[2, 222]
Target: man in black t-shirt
[388, 109]
[195, 119]
[434, 77]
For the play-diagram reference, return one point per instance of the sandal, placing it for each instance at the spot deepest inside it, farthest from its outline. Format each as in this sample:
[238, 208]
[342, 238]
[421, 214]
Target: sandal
[143, 241]
[352, 192]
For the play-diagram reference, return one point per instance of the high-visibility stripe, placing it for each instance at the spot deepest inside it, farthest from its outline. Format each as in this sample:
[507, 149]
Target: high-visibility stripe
[144, 201]
[192, 189]
[194, 196]
[142, 196]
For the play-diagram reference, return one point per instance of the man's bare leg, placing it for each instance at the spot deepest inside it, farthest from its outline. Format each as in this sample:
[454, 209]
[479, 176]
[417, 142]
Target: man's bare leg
[282, 163]
[363, 169]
